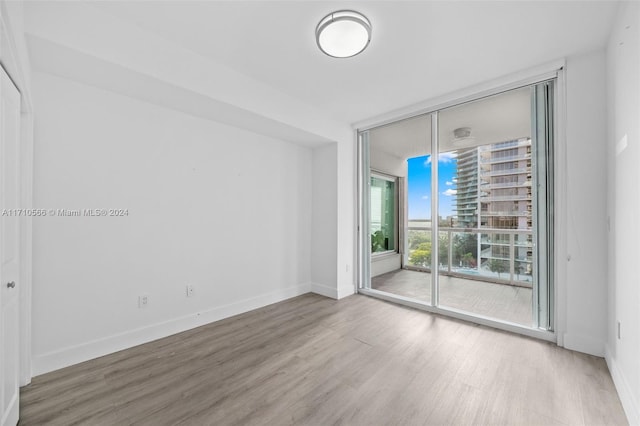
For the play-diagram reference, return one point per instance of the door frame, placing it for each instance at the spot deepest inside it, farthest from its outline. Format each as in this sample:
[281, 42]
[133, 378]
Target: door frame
[535, 75]
[15, 66]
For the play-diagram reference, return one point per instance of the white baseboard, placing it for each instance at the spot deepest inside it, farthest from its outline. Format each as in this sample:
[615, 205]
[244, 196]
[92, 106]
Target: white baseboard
[96, 348]
[345, 291]
[627, 398]
[584, 344]
[324, 290]
[332, 292]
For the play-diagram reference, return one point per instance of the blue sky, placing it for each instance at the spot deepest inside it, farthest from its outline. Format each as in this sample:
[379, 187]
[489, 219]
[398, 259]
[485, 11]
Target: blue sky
[419, 184]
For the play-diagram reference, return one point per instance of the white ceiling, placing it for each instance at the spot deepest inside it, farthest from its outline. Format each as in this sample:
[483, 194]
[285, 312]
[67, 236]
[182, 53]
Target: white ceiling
[499, 118]
[419, 49]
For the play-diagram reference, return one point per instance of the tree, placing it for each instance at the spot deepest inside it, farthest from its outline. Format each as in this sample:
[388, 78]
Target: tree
[497, 265]
[421, 255]
[463, 244]
[418, 237]
[443, 249]
[468, 260]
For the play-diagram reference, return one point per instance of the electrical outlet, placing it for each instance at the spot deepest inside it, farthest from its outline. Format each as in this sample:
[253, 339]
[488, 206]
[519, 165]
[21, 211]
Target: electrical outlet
[143, 300]
[190, 290]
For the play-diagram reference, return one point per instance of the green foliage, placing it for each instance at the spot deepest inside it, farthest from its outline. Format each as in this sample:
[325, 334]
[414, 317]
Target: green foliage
[418, 237]
[464, 244]
[443, 249]
[377, 241]
[468, 260]
[497, 265]
[421, 255]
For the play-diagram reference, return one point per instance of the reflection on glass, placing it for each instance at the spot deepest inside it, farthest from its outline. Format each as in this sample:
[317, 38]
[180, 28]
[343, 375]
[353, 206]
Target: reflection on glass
[401, 151]
[383, 216]
[489, 165]
[485, 205]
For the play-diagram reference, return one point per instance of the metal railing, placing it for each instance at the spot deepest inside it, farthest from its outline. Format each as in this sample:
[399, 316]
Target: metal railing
[498, 185]
[504, 145]
[514, 197]
[505, 213]
[508, 171]
[503, 159]
[484, 255]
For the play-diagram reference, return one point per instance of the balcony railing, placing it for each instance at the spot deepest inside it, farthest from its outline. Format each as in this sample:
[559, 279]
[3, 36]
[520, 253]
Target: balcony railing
[505, 159]
[505, 213]
[505, 145]
[498, 185]
[470, 253]
[507, 171]
[513, 197]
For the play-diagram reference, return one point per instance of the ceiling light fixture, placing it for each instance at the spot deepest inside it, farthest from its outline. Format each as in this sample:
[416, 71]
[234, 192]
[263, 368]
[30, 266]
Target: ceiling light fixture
[462, 137]
[343, 33]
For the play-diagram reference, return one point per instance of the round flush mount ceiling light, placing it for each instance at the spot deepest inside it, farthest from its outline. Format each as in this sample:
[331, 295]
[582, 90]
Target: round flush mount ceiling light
[343, 33]
[461, 133]
[462, 137]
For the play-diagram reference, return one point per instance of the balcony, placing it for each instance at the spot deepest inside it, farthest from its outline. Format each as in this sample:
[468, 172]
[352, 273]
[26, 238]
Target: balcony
[513, 197]
[487, 185]
[504, 159]
[486, 254]
[503, 302]
[506, 213]
[486, 271]
[504, 145]
[507, 172]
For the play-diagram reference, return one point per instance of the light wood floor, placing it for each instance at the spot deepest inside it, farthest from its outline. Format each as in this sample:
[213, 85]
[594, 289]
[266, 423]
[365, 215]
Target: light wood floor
[501, 301]
[316, 361]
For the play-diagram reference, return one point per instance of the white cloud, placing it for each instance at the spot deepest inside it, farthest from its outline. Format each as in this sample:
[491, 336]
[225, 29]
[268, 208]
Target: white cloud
[448, 183]
[447, 157]
[449, 192]
[444, 157]
[425, 197]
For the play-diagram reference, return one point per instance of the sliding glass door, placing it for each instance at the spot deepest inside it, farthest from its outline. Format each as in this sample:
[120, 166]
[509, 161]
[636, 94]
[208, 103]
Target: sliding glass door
[398, 155]
[470, 230]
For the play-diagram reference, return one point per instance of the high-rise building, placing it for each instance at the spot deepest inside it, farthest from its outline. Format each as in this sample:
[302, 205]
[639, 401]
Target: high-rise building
[467, 179]
[494, 192]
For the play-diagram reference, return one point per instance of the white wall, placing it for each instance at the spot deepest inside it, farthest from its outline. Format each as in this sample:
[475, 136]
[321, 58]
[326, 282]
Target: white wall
[586, 271]
[324, 221]
[221, 208]
[385, 263]
[346, 242]
[623, 354]
[108, 56]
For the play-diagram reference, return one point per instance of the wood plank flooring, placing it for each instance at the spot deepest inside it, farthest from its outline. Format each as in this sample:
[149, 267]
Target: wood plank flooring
[316, 361]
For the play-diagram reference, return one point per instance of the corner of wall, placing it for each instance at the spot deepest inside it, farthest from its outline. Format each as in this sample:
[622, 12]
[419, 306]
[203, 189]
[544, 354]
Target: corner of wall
[629, 403]
[345, 291]
[582, 343]
[324, 290]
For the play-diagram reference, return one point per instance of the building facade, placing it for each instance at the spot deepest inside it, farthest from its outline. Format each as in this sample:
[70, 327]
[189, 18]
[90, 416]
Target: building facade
[494, 184]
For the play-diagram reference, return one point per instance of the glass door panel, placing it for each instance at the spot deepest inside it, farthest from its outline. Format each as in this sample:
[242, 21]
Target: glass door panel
[400, 182]
[485, 207]
[469, 229]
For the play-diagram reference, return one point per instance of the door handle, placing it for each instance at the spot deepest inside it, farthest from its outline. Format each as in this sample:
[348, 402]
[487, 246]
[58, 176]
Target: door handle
[12, 284]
